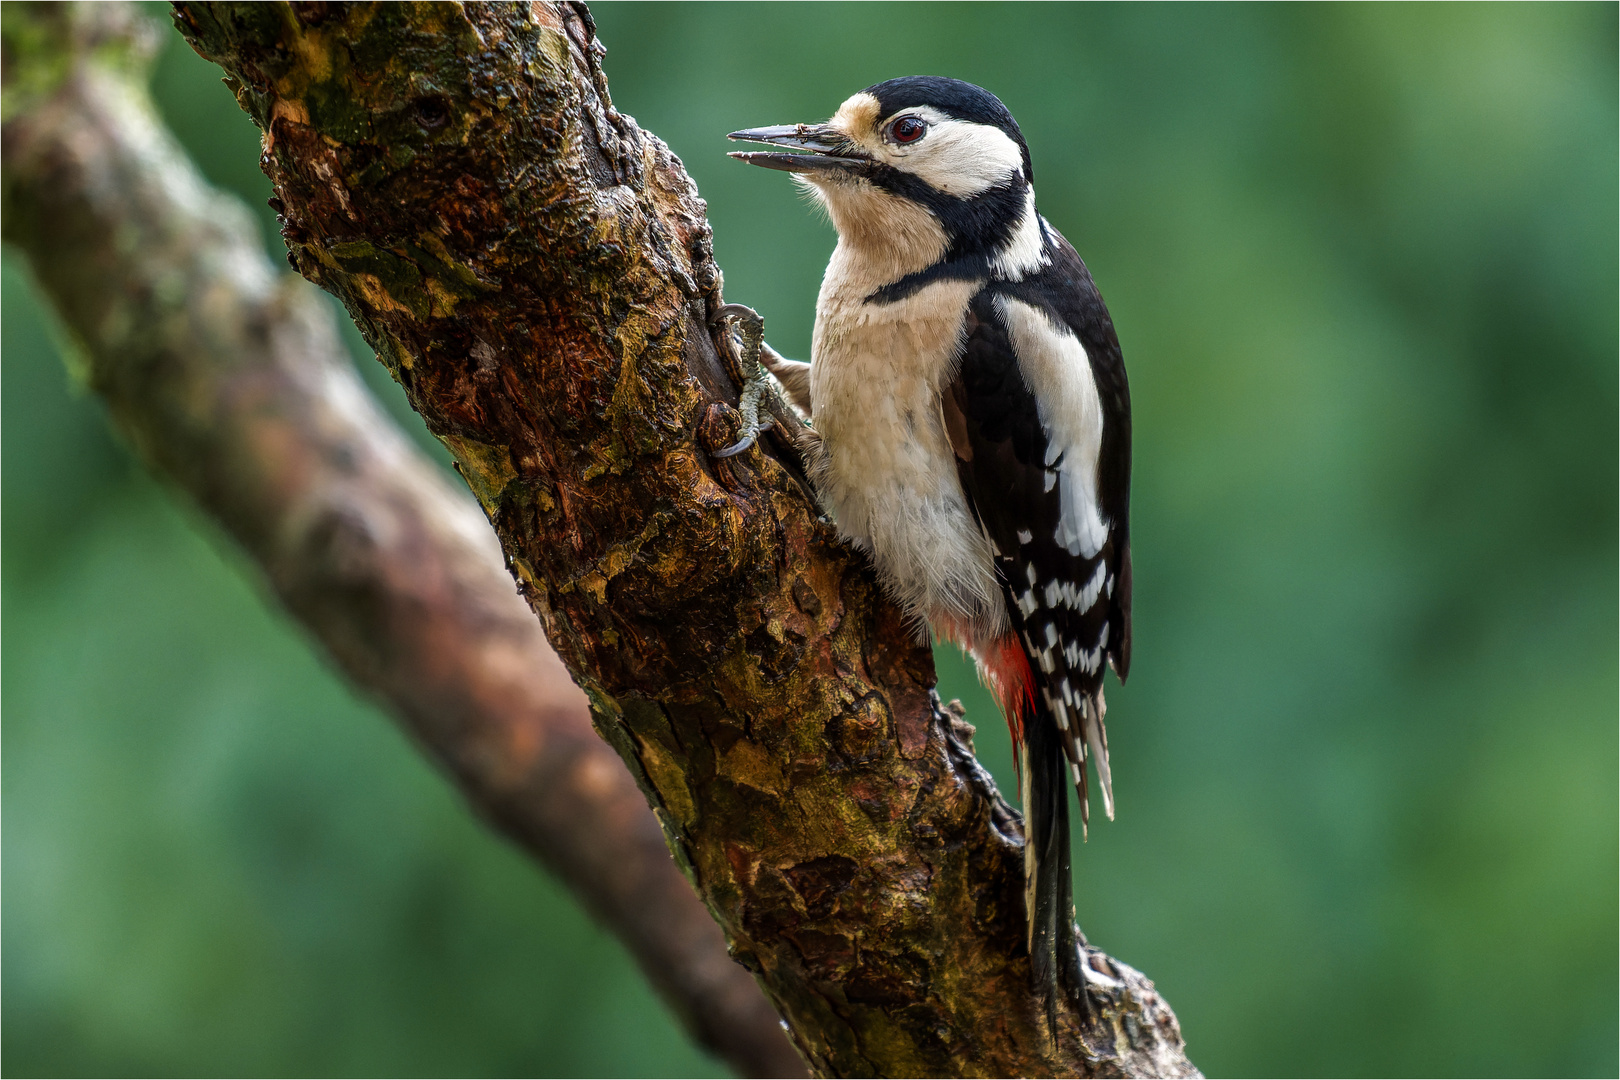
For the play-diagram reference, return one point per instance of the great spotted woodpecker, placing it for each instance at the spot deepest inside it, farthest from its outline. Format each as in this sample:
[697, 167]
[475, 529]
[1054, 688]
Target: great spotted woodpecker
[972, 431]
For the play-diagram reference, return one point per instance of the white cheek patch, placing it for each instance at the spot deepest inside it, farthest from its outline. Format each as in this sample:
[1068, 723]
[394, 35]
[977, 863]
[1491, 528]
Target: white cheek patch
[957, 157]
[1058, 372]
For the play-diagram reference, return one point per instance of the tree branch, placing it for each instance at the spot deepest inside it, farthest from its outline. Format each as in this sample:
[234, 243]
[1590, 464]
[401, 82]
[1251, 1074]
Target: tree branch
[537, 273]
[230, 380]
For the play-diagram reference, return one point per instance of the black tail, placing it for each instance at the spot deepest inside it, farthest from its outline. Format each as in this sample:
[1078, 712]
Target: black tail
[1048, 885]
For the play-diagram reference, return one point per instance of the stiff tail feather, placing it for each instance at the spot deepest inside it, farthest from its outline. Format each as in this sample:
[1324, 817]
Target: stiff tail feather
[1097, 743]
[1052, 739]
[1048, 882]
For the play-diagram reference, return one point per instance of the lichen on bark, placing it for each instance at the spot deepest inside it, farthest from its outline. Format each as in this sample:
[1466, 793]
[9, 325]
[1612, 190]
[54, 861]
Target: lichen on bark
[231, 381]
[537, 273]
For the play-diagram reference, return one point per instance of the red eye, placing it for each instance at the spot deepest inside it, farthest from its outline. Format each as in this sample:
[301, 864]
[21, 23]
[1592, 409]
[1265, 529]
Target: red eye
[907, 129]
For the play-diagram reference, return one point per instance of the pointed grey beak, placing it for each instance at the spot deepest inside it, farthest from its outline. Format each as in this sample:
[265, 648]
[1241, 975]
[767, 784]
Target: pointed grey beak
[828, 148]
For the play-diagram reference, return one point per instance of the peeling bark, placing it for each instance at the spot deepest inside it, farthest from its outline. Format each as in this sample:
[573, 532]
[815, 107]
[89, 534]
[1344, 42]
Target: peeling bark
[230, 380]
[537, 273]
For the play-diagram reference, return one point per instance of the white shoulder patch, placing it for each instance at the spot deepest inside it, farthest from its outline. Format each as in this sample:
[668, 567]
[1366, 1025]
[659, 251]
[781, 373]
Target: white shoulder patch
[1026, 251]
[1058, 372]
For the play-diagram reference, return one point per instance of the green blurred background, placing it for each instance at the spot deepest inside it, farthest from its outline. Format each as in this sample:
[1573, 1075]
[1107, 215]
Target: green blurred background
[1363, 263]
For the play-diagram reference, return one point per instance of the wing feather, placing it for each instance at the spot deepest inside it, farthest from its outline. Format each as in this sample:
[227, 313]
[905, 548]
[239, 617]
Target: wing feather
[1034, 414]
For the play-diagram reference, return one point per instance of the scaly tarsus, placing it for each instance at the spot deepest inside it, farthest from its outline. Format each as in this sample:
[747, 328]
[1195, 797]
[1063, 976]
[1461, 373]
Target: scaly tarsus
[751, 329]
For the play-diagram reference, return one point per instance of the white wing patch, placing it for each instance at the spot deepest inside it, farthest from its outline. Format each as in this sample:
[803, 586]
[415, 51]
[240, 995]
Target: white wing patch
[1058, 373]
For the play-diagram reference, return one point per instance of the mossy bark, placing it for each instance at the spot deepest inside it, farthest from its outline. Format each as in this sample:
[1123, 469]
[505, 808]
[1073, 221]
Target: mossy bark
[230, 380]
[538, 275]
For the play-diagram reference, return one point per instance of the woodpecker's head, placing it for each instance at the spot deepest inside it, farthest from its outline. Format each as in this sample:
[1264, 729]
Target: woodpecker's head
[932, 165]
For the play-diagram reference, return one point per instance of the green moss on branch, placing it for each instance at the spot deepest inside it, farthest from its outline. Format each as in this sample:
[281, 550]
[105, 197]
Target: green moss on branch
[538, 273]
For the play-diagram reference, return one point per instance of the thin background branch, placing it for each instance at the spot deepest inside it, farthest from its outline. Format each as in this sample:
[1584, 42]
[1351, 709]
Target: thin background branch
[229, 378]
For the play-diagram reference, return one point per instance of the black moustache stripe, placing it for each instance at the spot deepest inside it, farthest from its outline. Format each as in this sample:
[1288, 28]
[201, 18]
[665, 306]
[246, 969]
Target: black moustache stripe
[977, 227]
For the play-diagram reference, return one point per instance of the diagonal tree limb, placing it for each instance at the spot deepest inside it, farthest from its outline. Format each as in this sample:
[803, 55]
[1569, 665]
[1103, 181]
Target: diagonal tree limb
[537, 273]
[229, 379]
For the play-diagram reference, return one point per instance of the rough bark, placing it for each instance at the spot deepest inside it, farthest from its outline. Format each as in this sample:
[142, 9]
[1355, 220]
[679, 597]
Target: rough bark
[537, 273]
[230, 380]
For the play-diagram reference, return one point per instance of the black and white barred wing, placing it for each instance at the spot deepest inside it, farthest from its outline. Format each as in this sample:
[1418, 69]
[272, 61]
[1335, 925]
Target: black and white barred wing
[1031, 430]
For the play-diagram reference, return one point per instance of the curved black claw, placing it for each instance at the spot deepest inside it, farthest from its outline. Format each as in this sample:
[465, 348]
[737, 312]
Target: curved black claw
[749, 439]
[738, 311]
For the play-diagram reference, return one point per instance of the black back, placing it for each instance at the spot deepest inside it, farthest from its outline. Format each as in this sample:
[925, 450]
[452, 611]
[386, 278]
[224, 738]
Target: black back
[1006, 478]
[1002, 453]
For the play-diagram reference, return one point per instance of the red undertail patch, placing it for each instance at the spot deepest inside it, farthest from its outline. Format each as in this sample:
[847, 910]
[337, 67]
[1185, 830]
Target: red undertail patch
[1005, 670]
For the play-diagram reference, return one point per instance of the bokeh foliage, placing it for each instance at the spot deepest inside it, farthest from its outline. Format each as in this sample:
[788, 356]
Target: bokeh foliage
[1363, 262]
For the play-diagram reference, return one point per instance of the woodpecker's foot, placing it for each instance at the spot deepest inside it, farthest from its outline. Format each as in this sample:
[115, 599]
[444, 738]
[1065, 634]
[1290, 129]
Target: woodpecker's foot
[752, 425]
[751, 335]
